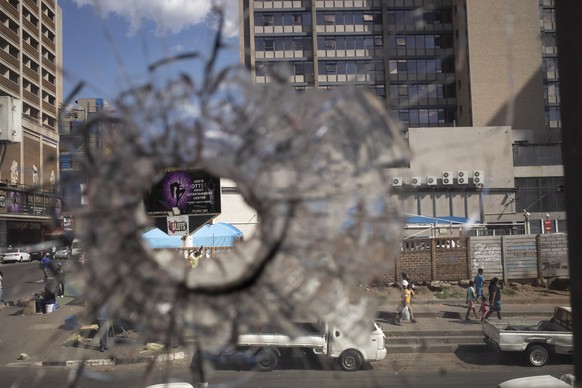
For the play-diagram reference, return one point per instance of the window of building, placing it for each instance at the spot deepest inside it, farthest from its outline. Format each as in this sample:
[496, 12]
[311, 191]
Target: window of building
[549, 19]
[298, 69]
[551, 68]
[48, 12]
[269, 45]
[48, 55]
[368, 17]
[9, 48]
[46, 97]
[401, 66]
[28, 62]
[297, 19]
[540, 194]
[29, 16]
[330, 44]
[268, 20]
[30, 40]
[8, 22]
[298, 44]
[329, 19]
[48, 33]
[331, 68]
[46, 75]
[9, 74]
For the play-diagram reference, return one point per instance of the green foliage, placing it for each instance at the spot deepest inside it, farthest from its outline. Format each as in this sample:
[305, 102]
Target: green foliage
[449, 293]
[508, 291]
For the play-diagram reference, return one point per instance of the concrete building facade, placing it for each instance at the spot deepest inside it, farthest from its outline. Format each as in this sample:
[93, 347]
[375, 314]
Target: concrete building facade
[472, 84]
[30, 95]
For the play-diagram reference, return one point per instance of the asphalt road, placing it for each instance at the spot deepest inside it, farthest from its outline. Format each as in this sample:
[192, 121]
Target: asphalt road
[420, 370]
[21, 280]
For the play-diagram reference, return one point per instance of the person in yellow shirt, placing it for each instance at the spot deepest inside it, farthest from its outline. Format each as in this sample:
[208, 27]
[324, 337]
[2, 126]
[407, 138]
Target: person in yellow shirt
[407, 302]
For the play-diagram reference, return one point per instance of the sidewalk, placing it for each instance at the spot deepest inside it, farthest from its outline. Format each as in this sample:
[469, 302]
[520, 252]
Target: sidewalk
[46, 341]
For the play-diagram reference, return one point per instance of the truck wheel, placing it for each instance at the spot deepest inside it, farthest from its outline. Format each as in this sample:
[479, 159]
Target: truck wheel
[350, 360]
[267, 360]
[537, 355]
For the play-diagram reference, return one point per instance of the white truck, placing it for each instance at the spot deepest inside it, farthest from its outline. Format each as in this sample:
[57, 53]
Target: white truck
[537, 339]
[268, 346]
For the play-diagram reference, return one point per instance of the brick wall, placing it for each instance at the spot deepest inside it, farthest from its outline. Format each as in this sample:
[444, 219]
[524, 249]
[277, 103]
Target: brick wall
[506, 257]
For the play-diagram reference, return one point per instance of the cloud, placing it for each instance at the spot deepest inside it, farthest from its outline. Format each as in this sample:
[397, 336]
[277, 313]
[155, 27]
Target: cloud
[169, 16]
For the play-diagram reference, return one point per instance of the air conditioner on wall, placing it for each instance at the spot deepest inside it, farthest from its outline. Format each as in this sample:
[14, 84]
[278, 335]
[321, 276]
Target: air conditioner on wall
[431, 180]
[416, 181]
[447, 177]
[462, 177]
[478, 177]
[397, 181]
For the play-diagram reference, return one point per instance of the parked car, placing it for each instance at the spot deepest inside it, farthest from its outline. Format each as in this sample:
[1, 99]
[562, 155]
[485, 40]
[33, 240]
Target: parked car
[62, 253]
[15, 255]
[39, 254]
[76, 249]
[537, 340]
[545, 381]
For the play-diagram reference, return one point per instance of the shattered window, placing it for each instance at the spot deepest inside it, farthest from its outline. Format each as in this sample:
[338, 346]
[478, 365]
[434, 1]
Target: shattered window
[207, 200]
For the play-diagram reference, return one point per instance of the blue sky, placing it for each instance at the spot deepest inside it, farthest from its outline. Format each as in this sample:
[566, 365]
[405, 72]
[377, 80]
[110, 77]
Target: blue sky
[139, 37]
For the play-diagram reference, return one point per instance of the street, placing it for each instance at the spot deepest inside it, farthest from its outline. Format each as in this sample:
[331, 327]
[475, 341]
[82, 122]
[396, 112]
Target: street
[21, 280]
[477, 368]
[411, 370]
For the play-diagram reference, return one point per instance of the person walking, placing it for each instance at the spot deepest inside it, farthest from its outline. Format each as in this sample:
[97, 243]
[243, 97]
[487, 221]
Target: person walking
[479, 283]
[60, 271]
[407, 303]
[471, 301]
[104, 323]
[404, 282]
[1, 294]
[494, 298]
[45, 263]
[484, 309]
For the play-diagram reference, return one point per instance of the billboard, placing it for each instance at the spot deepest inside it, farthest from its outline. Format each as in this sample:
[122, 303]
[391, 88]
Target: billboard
[184, 192]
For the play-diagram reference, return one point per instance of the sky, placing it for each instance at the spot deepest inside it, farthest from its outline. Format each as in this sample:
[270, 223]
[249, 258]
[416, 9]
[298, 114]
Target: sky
[108, 44]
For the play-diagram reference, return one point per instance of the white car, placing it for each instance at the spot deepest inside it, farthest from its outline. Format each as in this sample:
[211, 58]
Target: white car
[15, 255]
[545, 381]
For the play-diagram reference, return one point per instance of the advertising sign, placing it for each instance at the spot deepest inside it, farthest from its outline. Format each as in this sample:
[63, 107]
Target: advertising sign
[184, 192]
[178, 226]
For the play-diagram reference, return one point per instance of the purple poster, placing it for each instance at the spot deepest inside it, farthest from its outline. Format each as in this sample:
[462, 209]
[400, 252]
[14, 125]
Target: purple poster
[190, 191]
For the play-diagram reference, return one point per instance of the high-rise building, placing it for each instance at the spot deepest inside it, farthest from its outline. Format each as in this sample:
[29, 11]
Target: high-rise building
[435, 63]
[30, 94]
[80, 134]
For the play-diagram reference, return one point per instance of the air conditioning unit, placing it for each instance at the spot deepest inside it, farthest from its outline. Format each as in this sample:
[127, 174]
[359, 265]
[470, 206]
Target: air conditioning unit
[397, 181]
[10, 120]
[431, 180]
[478, 177]
[447, 177]
[462, 177]
[416, 181]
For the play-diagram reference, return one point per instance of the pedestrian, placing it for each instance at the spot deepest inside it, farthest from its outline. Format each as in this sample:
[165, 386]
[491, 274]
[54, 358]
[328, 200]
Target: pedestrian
[60, 272]
[484, 309]
[104, 323]
[47, 296]
[471, 301]
[407, 299]
[404, 282]
[1, 294]
[494, 298]
[45, 262]
[479, 282]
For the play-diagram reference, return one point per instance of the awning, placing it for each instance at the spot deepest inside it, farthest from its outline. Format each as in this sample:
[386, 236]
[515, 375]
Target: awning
[445, 220]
